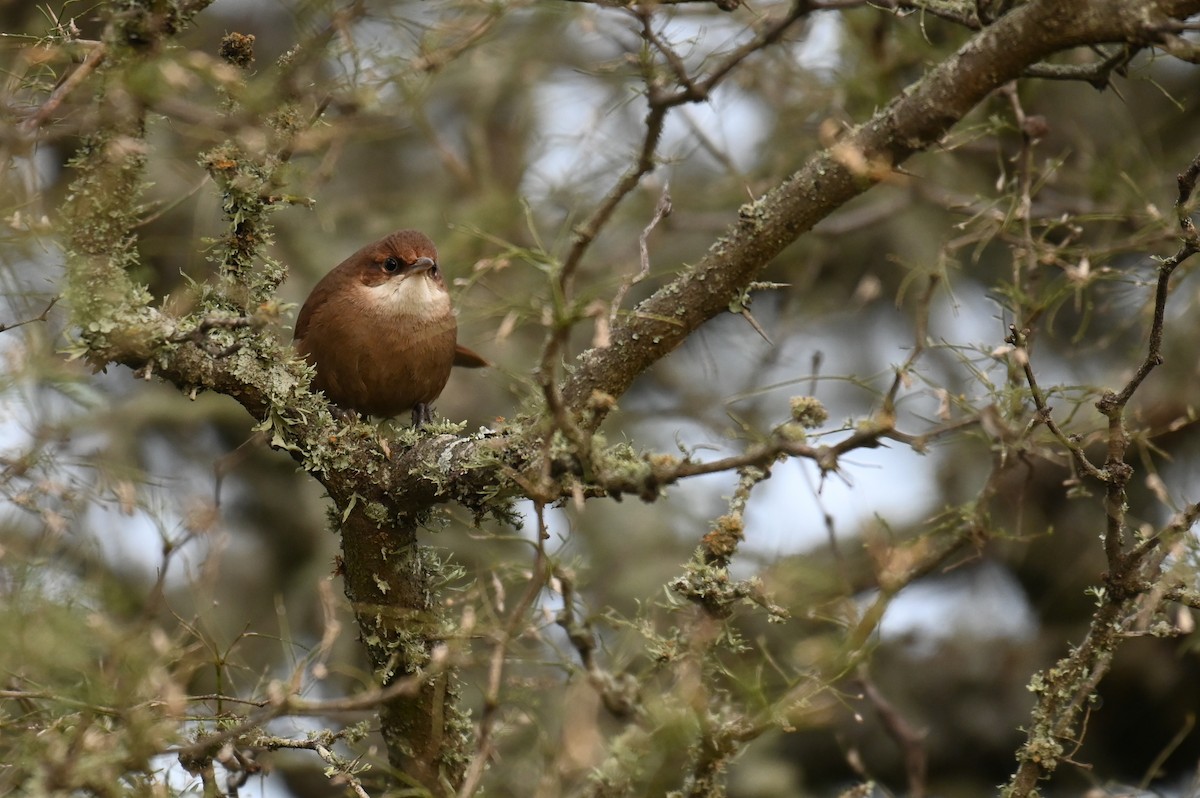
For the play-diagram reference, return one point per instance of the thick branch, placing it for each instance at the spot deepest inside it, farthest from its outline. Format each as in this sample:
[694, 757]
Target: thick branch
[914, 121]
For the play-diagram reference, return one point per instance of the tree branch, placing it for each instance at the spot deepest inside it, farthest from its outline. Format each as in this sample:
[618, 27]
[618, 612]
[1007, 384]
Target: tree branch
[914, 121]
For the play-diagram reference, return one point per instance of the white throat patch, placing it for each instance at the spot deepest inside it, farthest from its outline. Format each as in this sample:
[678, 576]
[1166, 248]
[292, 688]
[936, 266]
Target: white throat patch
[416, 295]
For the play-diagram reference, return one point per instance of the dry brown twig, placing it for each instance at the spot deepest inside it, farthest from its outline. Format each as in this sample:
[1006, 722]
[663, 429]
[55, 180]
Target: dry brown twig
[484, 738]
[660, 102]
[910, 740]
[1133, 574]
[43, 316]
[662, 209]
[95, 56]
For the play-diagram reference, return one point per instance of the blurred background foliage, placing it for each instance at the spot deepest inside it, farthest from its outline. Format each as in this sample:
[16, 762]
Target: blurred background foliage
[147, 555]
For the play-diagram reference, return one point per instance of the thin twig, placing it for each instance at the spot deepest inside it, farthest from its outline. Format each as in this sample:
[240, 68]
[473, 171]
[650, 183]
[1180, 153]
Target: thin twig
[40, 317]
[920, 336]
[321, 747]
[1189, 246]
[93, 60]
[1025, 256]
[619, 692]
[910, 740]
[432, 62]
[484, 744]
[660, 102]
[1019, 341]
[662, 471]
[290, 705]
[661, 211]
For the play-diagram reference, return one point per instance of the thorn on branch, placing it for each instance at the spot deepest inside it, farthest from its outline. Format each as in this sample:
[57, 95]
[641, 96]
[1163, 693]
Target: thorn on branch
[1098, 75]
[741, 306]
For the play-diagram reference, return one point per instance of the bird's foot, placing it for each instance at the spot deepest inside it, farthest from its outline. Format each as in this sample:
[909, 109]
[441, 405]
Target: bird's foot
[342, 414]
[422, 414]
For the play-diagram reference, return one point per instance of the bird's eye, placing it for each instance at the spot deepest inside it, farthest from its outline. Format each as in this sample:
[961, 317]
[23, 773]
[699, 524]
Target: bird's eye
[433, 270]
[391, 265]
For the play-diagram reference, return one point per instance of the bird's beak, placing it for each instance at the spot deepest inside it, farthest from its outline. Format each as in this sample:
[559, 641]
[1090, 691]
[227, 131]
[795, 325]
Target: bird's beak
[420, 265]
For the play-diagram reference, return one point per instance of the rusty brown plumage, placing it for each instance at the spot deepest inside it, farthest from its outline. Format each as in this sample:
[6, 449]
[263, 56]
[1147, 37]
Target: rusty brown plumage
[380, 331]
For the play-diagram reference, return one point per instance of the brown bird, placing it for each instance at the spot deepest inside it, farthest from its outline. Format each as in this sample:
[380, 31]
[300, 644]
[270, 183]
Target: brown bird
[380, 331]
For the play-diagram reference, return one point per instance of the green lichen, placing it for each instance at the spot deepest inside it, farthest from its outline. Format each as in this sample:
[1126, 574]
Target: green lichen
[808, 411]
[247, 183]
[377, 513]
[101, 210]
[623, 467]
[709, 585]
[791, 432]
[459, 729]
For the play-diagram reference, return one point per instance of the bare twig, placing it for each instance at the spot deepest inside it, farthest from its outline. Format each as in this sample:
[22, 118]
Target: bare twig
[1133, 574]
[1018, 340]
[94, 58]
[661, 211]
[40, 317]
[484, 743]
[288, 705]
[662, 470]
[910, 739]
[660, 102]
[322, 746]
[619, 692]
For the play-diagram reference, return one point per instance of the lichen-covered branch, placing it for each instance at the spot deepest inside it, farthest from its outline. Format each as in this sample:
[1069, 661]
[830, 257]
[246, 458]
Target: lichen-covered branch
[1133, 583]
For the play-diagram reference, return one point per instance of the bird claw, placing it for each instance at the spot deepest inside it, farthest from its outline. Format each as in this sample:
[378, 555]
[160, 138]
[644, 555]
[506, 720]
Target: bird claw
[342, 414]
[422, 414]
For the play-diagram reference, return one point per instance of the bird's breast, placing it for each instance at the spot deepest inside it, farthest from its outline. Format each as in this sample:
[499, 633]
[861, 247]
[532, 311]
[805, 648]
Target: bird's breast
[382, 349]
